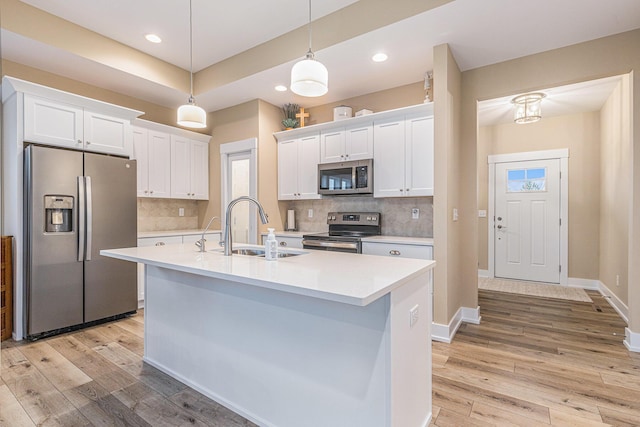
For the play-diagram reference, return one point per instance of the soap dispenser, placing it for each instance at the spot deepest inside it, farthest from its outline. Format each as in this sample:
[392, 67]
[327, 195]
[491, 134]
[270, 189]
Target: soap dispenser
[271, 246]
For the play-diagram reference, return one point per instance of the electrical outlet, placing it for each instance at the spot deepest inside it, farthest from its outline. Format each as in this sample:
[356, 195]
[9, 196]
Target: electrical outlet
[617, 280]
[455, 214]
[180, 211]
[415, 213]
[310, 213]
[414, 315]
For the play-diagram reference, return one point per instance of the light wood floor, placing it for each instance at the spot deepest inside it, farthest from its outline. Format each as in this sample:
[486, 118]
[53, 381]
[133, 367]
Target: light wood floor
[531, 362]
[534, 362]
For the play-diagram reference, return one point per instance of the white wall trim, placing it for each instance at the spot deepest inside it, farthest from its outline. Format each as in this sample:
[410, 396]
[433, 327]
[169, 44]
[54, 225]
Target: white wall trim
[483, 273]
[246, 145]
[445, 333]
[615, 302]
[590, 284]
[561, 154]
[631, 340]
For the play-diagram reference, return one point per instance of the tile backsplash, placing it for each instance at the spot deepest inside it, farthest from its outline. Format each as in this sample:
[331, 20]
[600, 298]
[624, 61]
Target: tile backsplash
[396, 213]
[163, 214]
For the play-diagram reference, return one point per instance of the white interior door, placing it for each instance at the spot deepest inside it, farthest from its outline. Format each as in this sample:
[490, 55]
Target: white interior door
[239, 176]
[527, 220]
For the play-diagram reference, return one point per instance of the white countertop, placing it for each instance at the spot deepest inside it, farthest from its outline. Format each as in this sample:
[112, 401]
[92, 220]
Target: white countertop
[147, 234]
[348, 278]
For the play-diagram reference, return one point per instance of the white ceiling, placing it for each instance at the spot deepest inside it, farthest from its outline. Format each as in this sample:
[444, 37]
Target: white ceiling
[478, 32]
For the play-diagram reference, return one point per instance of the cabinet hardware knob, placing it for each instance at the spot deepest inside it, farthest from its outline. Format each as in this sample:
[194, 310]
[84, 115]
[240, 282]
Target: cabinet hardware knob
[401, 190]
[407, 189]
[146, 191]
[79, 141]
[160, 244]
[88, 142]
[151, 191]
[394, 252]
[283, 243]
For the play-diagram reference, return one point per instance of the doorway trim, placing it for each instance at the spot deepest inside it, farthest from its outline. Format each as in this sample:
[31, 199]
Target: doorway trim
[560, 154]
[246, 145]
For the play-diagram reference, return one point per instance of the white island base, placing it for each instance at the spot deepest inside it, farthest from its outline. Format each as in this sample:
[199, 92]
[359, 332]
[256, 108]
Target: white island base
[286, 355]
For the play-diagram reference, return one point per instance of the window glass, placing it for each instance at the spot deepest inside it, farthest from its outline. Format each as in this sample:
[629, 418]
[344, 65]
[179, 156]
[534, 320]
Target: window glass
[526, 180]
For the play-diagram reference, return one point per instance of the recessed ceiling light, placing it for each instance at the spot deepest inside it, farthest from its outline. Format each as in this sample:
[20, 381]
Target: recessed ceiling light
[153, 38]
[379, 57]
[281, 88]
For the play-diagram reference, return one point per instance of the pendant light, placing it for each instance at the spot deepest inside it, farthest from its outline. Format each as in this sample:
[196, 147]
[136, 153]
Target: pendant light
[190, 115]
[528, 107]
[309, 77]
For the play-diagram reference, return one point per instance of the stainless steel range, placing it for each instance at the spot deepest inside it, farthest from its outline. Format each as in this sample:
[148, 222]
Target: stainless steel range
[346, 230]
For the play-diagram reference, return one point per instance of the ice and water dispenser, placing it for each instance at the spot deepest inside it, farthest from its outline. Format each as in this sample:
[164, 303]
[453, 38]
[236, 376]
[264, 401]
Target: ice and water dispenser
[58, 214]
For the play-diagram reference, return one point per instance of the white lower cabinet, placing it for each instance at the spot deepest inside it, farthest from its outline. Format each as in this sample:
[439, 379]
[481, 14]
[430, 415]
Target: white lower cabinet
[213, 240]
[398, 250]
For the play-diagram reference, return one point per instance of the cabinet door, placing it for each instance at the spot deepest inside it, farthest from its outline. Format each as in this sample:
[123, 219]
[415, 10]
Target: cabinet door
[398, 250]
[52, 123]
[359, 142]
[141, 155]
[288, 169]
[105, 134]
[159, 165]
[332, 147]
[200, 170]
[389, 155]
[180, 167]
[419, 157]
[307, 171]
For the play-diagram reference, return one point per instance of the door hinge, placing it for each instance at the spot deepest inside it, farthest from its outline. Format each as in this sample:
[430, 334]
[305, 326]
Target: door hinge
[560, 269]
[560, 222]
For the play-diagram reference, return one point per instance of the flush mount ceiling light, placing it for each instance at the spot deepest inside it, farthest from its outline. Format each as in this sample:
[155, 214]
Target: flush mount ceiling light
[309, 77]
[528, 107]
[281, 88]
[190, 115]
[379, 57]
[153, 38]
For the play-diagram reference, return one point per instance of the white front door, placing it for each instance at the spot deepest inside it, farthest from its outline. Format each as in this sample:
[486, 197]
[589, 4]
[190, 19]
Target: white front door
[527, 220]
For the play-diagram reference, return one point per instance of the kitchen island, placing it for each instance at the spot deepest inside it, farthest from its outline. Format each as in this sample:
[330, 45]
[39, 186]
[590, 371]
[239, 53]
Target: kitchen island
[318, 339]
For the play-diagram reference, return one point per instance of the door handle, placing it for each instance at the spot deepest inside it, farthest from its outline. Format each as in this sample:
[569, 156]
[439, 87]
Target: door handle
[89, 224]
[81, 218]
[500, 227]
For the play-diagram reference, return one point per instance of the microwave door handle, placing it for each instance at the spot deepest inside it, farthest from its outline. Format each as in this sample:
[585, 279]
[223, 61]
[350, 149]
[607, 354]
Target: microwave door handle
[81, 218]
[89, 218]
[354, 179]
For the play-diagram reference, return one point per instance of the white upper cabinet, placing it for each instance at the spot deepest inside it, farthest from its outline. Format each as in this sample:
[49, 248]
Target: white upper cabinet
[403, 157]
[298, 168]
[65, 125]
[152, 151]
[189, 169]
[347, 143]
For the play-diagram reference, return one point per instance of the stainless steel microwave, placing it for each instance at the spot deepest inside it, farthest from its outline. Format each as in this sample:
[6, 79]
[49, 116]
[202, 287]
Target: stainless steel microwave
[353, 177]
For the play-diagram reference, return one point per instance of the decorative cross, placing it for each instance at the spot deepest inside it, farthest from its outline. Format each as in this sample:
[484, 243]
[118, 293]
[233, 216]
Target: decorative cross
[302, 115]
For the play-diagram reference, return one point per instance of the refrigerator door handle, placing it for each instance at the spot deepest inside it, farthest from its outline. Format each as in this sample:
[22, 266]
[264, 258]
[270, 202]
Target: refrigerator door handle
[81, 218]
[89, 217]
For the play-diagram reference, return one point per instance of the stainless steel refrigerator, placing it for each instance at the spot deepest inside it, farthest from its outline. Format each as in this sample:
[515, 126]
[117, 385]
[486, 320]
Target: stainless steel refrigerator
[75, 204]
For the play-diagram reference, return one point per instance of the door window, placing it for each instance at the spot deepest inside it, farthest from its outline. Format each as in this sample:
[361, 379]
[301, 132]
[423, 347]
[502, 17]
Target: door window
[526, 180]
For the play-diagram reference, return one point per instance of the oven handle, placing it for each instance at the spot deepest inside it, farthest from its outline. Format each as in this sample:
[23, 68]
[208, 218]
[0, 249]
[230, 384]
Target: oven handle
[321, 244]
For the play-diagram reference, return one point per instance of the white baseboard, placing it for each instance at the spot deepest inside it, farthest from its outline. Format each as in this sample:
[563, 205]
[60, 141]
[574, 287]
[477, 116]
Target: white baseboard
[590, 284]
[483, 273]
[445, 333]
[614, 301]
[632, 340]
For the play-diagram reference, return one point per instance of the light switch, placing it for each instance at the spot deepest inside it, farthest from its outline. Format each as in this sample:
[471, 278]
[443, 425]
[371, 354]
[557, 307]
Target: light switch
[455, 214]
[415, 213]
[482, 213]
[310, 213]
[180, 211]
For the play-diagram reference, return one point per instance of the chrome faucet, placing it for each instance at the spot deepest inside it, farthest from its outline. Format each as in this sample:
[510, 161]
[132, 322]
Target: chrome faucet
[227, 221]
[201, 243]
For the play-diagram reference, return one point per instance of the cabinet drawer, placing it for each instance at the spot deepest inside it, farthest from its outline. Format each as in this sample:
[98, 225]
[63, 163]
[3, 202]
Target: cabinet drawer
[402, 251]
[286, 241]
[212, 239]
[159, 241]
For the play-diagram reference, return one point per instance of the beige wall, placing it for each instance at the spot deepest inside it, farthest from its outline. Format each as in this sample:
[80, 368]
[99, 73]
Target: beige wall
[609, 56]
[153, 112]
[402, 96]
[580, 133]
[616, 167]
[450, 293]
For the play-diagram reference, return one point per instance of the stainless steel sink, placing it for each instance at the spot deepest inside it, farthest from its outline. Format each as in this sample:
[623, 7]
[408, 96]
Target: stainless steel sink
[260, 252]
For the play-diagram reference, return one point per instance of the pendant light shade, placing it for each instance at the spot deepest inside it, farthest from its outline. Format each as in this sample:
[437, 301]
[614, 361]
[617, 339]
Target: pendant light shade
[528, 107]
[190, 115]
[309, 77]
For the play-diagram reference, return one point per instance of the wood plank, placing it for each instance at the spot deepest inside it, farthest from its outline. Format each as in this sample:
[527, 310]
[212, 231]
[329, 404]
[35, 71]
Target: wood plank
[199, 406]
[11, 412]
[56, 368]
[500, 417]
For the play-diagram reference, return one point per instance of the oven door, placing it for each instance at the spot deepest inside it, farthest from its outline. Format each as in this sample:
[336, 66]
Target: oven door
[354, 247]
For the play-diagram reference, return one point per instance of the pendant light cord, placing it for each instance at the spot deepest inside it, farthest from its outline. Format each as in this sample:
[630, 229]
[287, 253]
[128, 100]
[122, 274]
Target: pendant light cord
[310, 53]
[191, 49]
